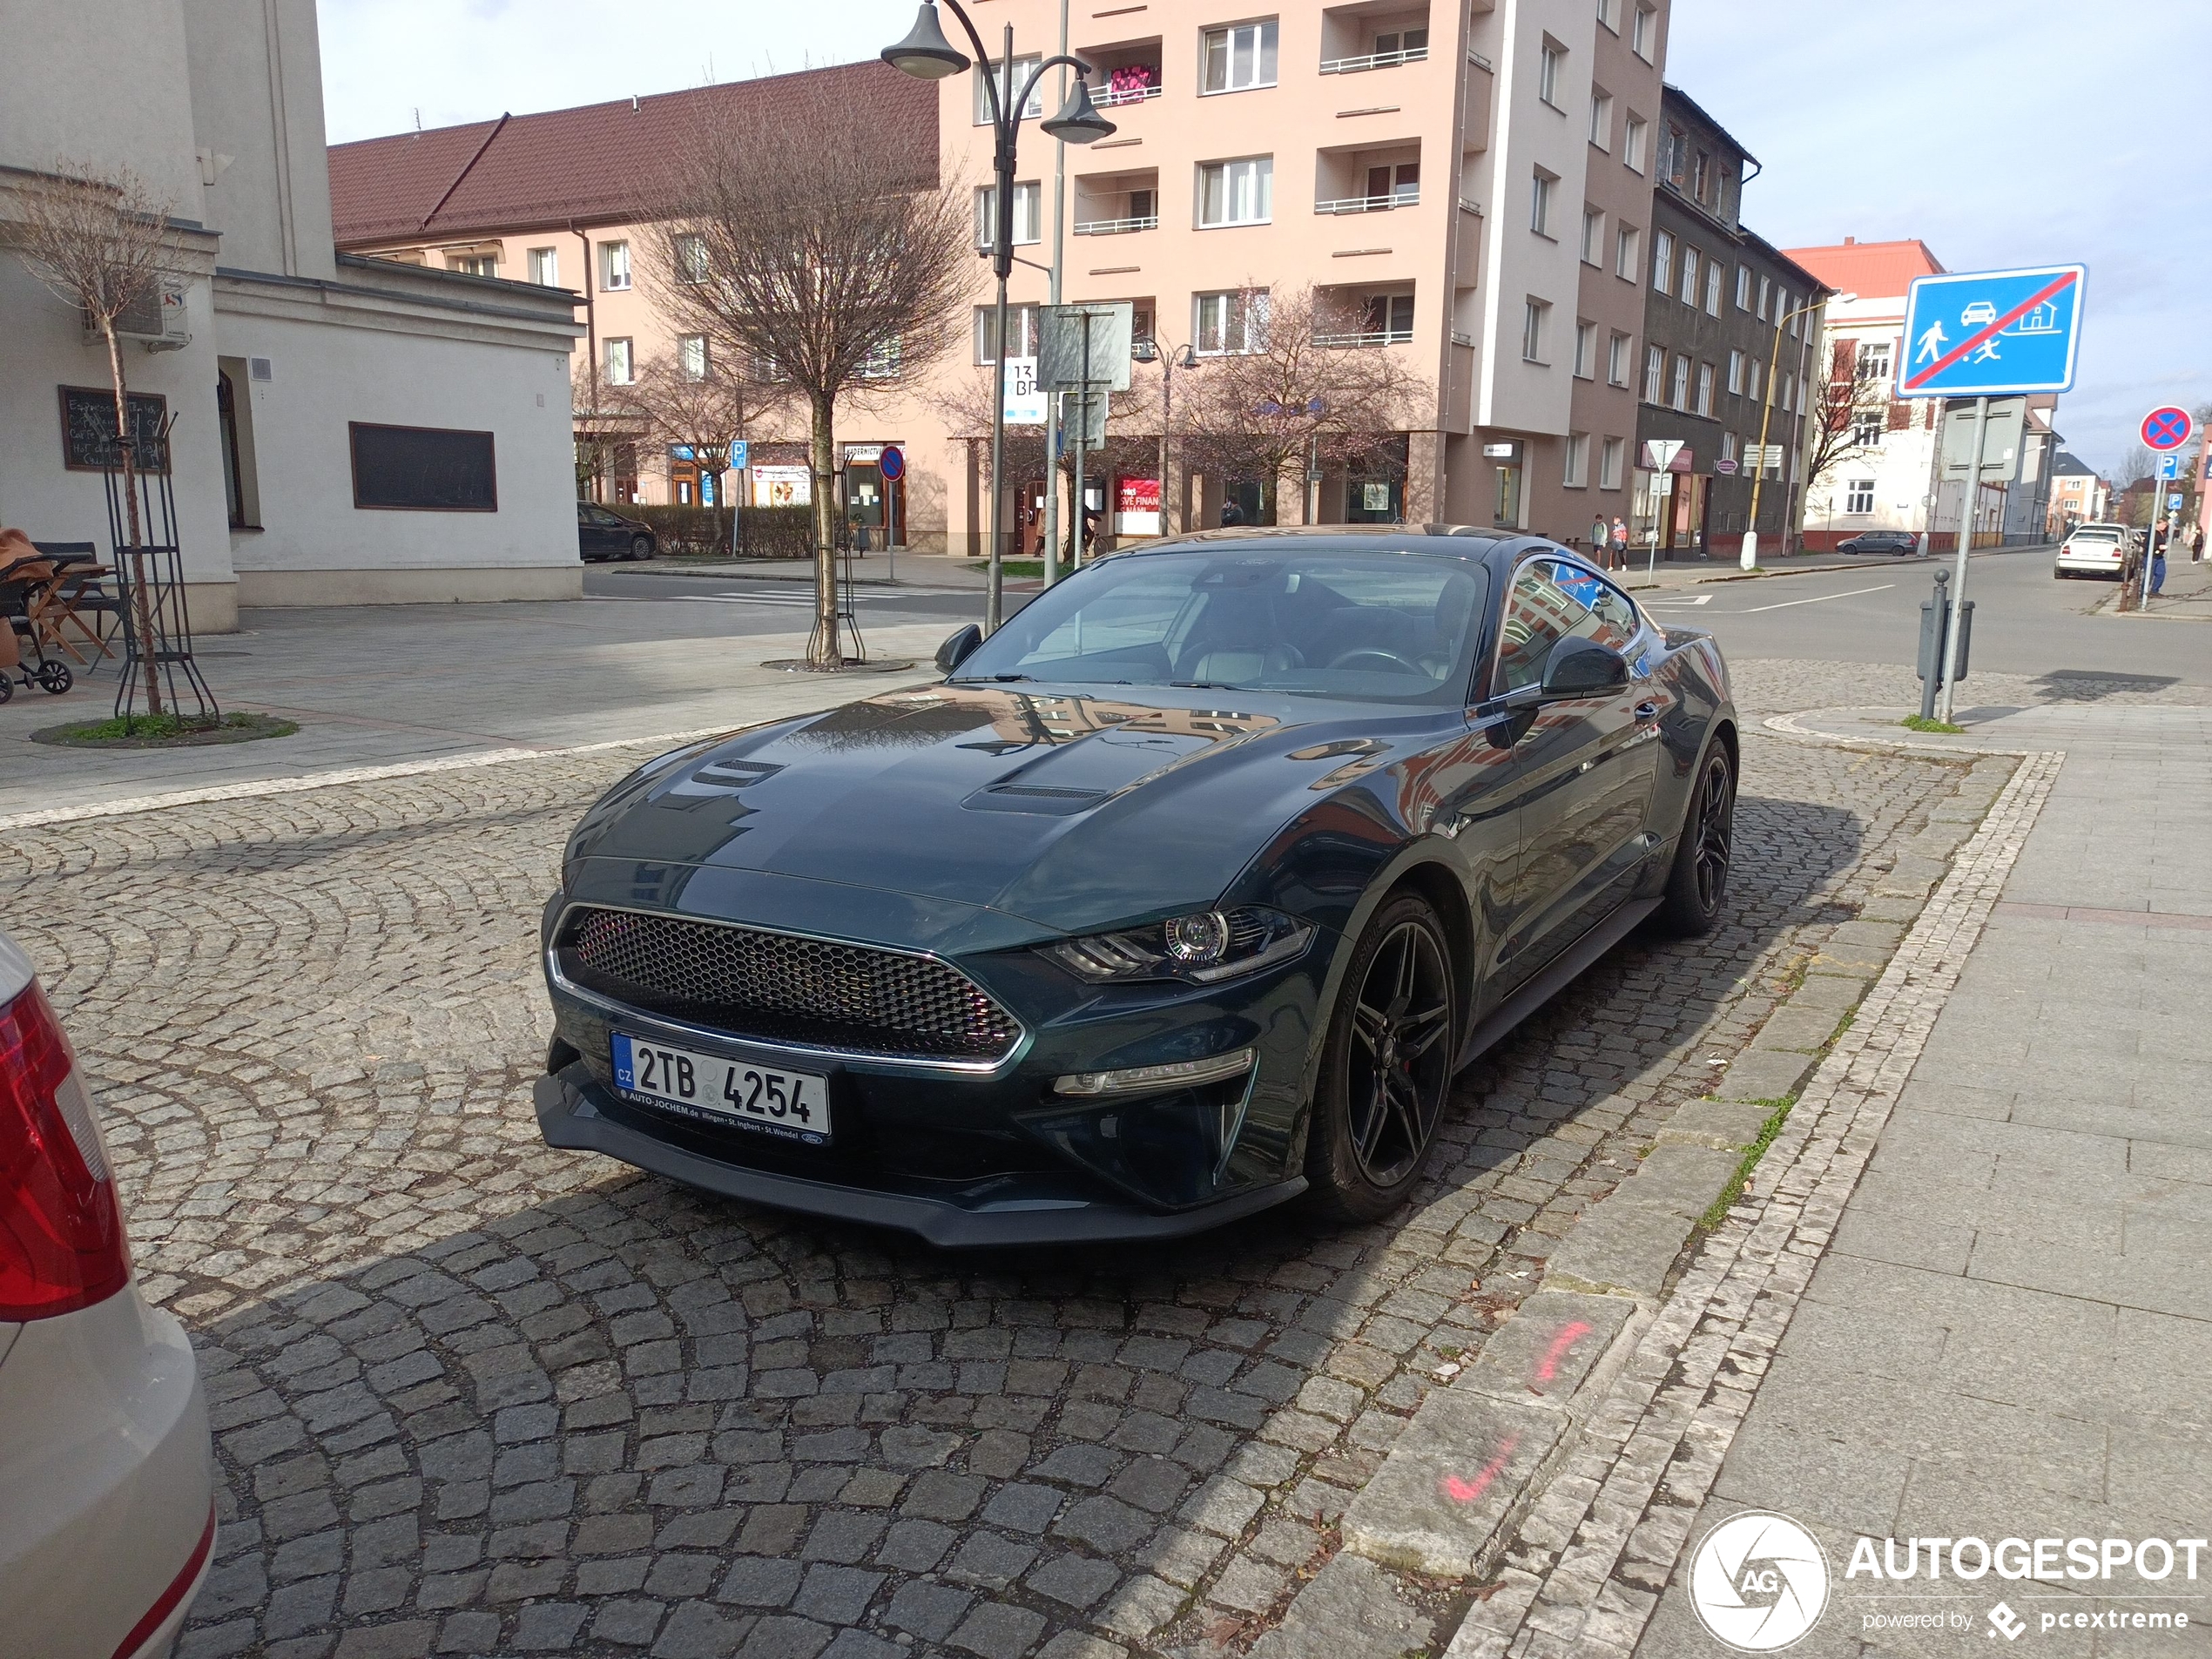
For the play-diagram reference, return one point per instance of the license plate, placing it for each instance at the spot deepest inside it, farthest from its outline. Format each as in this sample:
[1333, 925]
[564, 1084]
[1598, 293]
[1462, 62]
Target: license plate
[791, 1105]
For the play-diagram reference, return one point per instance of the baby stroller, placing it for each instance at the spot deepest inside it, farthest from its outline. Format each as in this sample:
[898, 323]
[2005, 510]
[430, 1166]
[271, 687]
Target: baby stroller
[20, 582]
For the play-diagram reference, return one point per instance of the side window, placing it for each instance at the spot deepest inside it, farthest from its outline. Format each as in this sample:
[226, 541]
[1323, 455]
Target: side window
[1540, 613]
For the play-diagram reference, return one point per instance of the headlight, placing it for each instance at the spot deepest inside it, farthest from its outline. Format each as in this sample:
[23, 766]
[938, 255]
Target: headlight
[1204, 946]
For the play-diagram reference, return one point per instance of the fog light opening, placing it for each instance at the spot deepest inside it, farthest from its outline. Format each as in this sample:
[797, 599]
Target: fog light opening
[1135, 1080]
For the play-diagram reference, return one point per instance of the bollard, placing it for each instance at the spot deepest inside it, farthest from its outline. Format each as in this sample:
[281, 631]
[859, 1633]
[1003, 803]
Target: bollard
[1934, 613]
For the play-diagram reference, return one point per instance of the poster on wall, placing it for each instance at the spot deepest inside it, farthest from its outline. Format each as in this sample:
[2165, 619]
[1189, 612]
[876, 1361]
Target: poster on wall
[783, 487]
[1136, 507]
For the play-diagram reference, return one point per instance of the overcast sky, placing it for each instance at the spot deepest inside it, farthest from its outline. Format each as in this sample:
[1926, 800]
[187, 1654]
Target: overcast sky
[1999, 134]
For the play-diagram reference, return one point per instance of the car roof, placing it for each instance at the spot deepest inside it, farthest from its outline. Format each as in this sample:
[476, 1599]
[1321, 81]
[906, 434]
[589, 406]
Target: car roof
[1451, 541]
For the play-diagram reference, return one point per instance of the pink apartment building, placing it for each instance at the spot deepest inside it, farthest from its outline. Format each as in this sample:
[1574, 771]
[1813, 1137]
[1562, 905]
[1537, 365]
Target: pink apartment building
[1471, 182]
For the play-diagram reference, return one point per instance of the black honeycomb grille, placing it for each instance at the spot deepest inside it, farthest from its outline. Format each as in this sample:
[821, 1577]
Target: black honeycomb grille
[780, 987]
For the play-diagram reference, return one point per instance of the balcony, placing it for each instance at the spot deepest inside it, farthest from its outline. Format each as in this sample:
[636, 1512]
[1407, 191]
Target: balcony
[1354, 319]
[1118, 204]
[1117, 226]
[1376, 60]
[1405, 196]
[1124, 75]
[1373, 35]
[1372, 179]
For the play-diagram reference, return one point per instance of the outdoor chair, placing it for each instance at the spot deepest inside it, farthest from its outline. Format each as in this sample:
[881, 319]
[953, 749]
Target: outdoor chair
[77, 593]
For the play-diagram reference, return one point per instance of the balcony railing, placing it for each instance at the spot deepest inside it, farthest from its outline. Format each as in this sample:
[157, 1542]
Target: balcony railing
[1375, 337]
[1373, 60]
[1107, 98]
[1117, 226]
[1370, 204]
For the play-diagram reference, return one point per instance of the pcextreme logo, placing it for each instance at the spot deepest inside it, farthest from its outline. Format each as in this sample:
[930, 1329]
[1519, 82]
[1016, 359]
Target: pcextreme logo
[1759, 1581]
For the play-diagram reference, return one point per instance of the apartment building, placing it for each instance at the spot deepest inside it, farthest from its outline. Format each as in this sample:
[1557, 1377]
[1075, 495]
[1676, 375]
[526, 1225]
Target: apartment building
[2078, 496]
[1731, 328]
[1469, 184]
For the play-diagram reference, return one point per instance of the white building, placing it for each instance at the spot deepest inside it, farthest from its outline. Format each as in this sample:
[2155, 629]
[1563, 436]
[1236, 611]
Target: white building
[315, 395]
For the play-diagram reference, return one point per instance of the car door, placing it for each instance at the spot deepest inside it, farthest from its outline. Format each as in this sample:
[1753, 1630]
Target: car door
[598, 531]
[1585, 769]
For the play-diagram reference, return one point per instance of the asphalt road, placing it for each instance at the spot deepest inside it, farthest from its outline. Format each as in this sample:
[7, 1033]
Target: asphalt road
[2025, 622]
[770, 605]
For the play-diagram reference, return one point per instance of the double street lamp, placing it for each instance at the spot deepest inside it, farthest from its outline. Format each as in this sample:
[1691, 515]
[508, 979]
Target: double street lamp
[926, 55]
[1148, 350]
[1766, 413]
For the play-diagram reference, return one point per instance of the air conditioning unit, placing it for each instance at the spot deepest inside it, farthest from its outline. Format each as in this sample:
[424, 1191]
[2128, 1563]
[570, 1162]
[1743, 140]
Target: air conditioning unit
[157, 321]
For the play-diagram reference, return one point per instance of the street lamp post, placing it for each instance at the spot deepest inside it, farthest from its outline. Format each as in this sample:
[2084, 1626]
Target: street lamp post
[1766, 413]
[1149, 350]
[926, 55]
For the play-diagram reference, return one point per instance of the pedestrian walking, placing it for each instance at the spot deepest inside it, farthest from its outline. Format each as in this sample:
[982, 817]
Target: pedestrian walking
[2157, 570]
[2196, 544]
[1620, 543]
[1598, 537]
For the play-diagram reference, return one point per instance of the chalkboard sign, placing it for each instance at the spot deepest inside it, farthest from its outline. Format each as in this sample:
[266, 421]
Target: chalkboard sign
[423, 469]
[88, 429]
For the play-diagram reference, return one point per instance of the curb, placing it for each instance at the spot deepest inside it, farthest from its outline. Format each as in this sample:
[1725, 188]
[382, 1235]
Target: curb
[1479, 1456]
[1855, 564]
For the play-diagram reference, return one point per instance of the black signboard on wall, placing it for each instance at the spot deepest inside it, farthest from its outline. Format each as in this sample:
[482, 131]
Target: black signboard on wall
[88, 429]
[419, 469]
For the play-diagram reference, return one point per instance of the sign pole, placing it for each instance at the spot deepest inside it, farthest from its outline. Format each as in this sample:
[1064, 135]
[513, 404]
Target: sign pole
[1054, 402]
[1957, 621]
[1082, 437]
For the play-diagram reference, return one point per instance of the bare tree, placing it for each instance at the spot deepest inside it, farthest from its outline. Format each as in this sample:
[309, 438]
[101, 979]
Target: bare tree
[790, 242]
[2136, 465]
[1131, 443]
[703, 406]
[606, 425]
[1313, 386]
[1846, 399]
[100, 242]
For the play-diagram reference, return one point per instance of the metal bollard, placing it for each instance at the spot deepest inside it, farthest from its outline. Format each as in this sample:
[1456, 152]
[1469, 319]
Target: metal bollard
[1935, 615]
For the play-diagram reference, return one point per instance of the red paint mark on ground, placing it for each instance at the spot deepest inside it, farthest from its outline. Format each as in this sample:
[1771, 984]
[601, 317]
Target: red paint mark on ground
[1567, 1337]
[1461, 1490]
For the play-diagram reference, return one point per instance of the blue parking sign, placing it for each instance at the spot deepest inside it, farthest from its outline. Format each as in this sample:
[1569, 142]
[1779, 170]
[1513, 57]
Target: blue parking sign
[1985, 333]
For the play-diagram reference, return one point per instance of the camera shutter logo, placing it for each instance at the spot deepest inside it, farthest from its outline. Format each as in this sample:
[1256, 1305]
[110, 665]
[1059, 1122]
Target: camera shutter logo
[1759, 1581]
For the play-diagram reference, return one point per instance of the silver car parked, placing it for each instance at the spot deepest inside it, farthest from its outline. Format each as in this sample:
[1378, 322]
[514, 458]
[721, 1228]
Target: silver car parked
[107, 1515]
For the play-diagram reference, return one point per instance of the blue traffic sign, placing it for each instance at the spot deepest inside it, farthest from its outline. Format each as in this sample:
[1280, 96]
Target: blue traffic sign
[1984, 333]
[2169, 466]
[740, 450]
[892, 463]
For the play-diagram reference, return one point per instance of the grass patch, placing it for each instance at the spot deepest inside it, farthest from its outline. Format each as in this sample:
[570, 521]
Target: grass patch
[1011, 567]
[164, 731]
[1917, 723]
[1777, 1113]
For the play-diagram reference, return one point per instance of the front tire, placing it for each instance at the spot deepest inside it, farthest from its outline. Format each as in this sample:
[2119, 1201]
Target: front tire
[1698, 883]
[1387, 1069]
[641, 547]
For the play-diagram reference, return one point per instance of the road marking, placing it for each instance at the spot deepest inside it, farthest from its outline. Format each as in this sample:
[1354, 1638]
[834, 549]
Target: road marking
[1821, 599]
[1699, 599]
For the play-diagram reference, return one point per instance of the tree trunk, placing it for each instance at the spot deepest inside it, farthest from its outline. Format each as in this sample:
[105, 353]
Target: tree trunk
[824, 648]
[141, 602]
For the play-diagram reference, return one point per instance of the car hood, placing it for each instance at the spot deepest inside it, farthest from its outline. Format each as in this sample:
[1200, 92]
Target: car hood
[1065, 808]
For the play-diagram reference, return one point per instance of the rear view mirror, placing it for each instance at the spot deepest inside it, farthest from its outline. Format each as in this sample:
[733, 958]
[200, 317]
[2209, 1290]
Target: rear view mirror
[1582, 667]
[959, 648]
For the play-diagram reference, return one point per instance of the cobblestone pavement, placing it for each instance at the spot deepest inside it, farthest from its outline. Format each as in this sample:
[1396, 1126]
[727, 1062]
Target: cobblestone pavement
[474, 1395]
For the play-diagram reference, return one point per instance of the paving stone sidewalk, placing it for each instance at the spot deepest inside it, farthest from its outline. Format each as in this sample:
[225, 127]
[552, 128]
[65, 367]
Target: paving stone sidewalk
[474, 1395]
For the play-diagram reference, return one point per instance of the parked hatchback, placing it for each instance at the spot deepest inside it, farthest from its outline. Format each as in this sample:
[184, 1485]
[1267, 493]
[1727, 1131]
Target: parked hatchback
[1881, 542]
[2094, 550]
[601, 534]
[107, 1516]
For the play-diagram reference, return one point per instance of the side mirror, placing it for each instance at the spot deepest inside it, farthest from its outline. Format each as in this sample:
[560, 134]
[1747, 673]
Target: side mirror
[1582, 667]
[959, 648]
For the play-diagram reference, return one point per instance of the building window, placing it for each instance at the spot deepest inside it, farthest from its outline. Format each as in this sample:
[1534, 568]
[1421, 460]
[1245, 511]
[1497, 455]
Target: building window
[1592, 235]
[1866, 429]
[1021, 332]
[1008, 87]
[1743, 287]
[1389, 319]
[1735, 373]
[1679, 398]
[545, 266]
[885, 360]
[1578, 461]
[1766, 293]
[1601, 117]
[1859, 495]
[1712, 288]
[691, 357]
[1609, 462]
[1531, 332]
[1236, 192]
[621, 369]
[1874, 360]
[1539, 202]
[1548, 68]
[1643, 31]
[690, 259]
[1237, 59]
[1758, 378]
[1632, 136]
[1626, 257]
[1230, 322]
[1609, 13]
[1801, 397]
[1585, 351]
[1782, 308]
[1728, 446]
[1655, 373]
[482, 265]
[614, 267]
[1027, 198]
[1662, 262]
[1689, 278]
[1616, 360]
[1789, 389]
[1704, 388]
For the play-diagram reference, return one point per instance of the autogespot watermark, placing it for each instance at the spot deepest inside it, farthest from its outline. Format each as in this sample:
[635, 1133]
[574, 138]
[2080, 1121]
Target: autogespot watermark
[1759, 1582]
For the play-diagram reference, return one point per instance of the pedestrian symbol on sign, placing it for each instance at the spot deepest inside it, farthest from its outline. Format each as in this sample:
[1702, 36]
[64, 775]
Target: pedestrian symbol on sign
[1931, 343]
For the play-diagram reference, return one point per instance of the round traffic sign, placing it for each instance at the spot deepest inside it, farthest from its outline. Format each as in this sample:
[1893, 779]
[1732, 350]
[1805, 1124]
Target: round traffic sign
[2166, 428]
[892, 462]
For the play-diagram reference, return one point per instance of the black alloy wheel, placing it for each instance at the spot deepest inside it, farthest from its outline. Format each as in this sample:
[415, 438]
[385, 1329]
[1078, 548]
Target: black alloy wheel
[1388, 1070]
[641, 547]
[1697, 885]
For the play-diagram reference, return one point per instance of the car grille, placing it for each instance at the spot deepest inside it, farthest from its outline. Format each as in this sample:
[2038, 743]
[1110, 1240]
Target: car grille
[780, 987]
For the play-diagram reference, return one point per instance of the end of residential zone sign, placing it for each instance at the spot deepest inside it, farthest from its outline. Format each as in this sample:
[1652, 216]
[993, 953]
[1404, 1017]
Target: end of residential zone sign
[1980, 333]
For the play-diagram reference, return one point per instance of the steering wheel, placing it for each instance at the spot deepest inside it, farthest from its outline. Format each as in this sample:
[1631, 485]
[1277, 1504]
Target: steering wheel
[1390, 662]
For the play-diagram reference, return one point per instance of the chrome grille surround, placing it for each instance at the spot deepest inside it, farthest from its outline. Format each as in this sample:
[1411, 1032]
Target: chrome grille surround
[784, 988]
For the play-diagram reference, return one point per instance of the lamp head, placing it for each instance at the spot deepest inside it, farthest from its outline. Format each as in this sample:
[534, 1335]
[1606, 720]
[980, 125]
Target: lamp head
[925, 53]
[1078, 121]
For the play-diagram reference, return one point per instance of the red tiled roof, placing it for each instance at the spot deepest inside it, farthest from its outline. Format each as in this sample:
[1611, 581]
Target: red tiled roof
[599, 163]
[1871, 270]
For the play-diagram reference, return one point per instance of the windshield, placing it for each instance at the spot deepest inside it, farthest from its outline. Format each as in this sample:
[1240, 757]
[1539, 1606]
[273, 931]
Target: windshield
[1388, 627]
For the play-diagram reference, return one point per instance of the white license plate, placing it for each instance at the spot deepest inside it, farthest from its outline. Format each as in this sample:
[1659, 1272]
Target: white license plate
[792, 1105]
